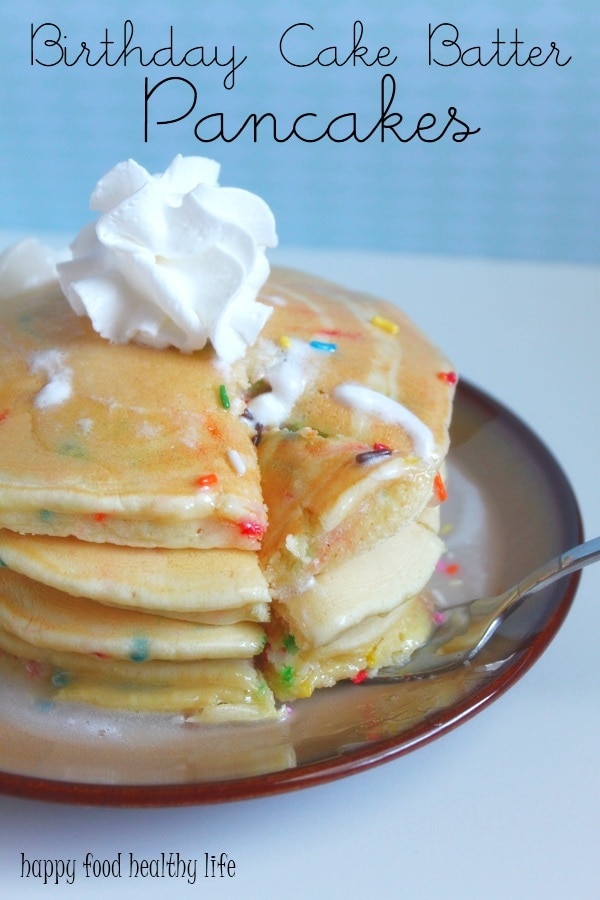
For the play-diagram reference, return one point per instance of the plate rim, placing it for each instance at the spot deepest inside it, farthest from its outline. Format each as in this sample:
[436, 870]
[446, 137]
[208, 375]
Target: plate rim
[370, 755]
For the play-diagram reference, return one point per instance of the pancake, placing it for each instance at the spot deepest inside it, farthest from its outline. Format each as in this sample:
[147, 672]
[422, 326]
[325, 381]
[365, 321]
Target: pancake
[120, 443]
[214, 690]
[212, 586]
[43, 616]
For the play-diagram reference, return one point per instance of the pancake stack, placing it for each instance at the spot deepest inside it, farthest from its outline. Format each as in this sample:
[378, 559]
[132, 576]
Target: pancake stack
[179, 535]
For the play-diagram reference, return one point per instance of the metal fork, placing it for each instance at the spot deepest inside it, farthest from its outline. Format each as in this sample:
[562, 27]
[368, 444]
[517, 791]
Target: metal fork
[463, 630]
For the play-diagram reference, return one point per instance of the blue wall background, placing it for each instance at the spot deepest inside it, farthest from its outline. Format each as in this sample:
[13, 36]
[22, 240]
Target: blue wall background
[525, 186]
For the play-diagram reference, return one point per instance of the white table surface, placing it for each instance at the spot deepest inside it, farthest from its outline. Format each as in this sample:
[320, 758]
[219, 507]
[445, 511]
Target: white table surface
[506, 805]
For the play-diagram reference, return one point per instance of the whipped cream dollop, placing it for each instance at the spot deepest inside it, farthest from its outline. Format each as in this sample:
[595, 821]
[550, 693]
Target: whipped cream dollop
[173, 259]
[27, 265]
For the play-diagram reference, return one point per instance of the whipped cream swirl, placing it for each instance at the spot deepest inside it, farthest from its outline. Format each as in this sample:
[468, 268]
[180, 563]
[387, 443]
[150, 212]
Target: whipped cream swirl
[173, 259]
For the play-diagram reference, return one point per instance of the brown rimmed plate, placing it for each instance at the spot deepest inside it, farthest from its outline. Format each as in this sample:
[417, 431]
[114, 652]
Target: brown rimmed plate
[510, 508]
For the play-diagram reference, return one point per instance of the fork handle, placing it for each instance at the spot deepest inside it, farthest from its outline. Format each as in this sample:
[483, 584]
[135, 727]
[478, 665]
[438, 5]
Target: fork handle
[570, 561]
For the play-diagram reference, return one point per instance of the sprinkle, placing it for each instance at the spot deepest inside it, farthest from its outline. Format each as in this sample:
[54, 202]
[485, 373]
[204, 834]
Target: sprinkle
[71, 448]
[140, 650]
[237, 463]
[60, 678]
[439, 618]
[385, 325]
[261, 688]
[46, 515]
[85, 425]
[289, 644]
[287, 675]
[213, 429]
[253, 529]
[3, 564]
[258, 434]
[4, 415]
[359, 677]
[207, 481]
[378, 446]
[285, 342]
[440, 488]
[335, 332]
[324, 346]
[369, 456]
[448, 377]
[34, 668]
[224, 397]
[100, 517]
[448, 568]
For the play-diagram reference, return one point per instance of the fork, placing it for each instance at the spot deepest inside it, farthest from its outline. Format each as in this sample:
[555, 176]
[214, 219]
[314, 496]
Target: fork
[463, 630]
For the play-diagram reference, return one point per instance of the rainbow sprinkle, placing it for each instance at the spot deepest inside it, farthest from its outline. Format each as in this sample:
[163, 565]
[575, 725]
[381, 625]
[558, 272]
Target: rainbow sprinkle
[207, 481]
[448, 377]
[324, 346]
[285, 342]
[224, 397]
[34, 668]
[440, 488]
[258, 434]
[60, 678]
[252, 529]
[289, 644]
[287, 675]
[236, 462]
[359, 677]
[140, 649]
[385, 325]
[368, 456]
[448, 568]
